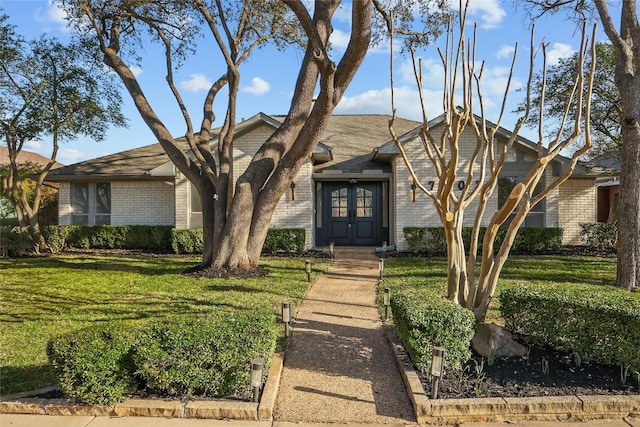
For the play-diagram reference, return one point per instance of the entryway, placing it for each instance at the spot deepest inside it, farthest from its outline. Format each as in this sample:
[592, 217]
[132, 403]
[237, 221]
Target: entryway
[351, 214]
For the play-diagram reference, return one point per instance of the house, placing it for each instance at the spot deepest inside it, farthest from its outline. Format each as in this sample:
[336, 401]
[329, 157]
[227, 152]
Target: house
[353, 190]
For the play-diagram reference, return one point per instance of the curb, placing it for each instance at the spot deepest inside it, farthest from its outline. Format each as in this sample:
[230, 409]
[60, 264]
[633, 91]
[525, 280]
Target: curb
[207, 409]
[496, 409]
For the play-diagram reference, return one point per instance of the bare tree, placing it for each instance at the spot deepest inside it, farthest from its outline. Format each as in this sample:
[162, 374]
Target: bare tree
[462, 82]
[235, 219]
[626, 41]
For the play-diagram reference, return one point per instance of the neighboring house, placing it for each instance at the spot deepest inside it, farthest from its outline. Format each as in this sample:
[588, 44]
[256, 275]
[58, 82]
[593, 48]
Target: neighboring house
[353, 190]
[49, 211]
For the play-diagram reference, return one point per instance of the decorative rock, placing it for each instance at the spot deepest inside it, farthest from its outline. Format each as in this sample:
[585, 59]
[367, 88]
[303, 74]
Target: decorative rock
[492, 340]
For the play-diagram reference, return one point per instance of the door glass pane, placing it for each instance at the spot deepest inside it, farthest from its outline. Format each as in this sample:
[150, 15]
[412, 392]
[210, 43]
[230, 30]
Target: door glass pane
[364, 203]
[339, 203]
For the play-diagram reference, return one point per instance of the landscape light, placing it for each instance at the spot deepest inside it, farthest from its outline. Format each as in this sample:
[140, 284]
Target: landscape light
[307, 268]
[331, 245]
[257, 366]
[286, 317]
[387, 302]
[381, 266]
[293, 190]
[437, 362]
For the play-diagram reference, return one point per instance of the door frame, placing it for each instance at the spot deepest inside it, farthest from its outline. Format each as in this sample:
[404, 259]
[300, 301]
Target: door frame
[326, 222]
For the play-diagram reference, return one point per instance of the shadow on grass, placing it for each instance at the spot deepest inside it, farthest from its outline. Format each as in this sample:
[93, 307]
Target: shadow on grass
[25, 378]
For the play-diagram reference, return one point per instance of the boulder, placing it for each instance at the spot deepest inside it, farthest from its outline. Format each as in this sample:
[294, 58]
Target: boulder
[491, 339]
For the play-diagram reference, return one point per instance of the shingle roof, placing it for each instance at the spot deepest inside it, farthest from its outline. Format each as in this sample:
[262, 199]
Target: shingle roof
[351, 138]
[26, 157]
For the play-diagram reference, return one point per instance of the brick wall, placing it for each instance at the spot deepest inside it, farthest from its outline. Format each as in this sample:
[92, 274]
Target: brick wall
[64, 203]
[298, 213]
[142, 203]
[422, 212]
[577, 199]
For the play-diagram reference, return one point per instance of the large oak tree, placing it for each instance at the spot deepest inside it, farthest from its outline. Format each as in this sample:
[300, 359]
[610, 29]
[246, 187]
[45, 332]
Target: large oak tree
[236, 219]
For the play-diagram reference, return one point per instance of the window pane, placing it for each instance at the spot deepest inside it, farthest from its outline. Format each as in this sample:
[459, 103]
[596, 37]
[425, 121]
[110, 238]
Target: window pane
[505, 185]
[103, 198]
[339, 203]
[79, 198]
[80, 219]
[364, 203]
[103, 219]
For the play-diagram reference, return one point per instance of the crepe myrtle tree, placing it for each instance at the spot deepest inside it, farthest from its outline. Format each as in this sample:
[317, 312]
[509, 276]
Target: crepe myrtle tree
[462, 93]
[236, 217]
[48, 91]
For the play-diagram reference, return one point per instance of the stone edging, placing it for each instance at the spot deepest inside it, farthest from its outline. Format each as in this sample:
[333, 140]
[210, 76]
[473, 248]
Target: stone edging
[545, 408]
[212, 409]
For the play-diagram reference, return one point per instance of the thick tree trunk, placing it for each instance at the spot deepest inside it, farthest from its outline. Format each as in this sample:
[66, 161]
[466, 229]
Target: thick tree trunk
[628, 273]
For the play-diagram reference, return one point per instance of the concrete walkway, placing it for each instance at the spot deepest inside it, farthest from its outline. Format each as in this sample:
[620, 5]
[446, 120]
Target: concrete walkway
[339, 366]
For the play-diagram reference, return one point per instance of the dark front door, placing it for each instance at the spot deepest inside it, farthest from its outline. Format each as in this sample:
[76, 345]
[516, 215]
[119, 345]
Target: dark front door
[352, 213]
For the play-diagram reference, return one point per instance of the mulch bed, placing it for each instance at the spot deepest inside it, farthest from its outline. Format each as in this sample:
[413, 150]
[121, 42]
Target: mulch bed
[529, 376]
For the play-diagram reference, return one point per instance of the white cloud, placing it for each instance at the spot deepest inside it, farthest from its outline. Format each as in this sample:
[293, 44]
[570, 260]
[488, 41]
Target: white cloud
[407, 102]
[432, 72]
[490, 11]
[258, 87]
[339, 39]
[52, 15]
[505, 51]
[69, 156]
[34, 146]
[557, 52]
[136, 70]
[197, 83]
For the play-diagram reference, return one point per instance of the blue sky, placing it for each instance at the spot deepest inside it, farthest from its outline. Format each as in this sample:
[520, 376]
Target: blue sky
[268, 78]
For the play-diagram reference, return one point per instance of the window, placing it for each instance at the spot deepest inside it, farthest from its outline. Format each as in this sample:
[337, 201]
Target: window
[90, 203]
[364, 203]
[339, 203]
[535, 217]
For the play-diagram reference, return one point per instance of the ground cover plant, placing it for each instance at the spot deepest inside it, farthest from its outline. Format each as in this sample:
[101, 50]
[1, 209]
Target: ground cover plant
[545, 370]
[45, 297]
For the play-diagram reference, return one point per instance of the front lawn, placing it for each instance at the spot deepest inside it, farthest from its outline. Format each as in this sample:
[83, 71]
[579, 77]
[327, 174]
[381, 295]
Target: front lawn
[45, 297]
[403, 273]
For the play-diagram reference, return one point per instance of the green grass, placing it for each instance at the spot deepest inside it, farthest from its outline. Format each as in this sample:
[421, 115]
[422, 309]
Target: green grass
[432, 273]
[45, 297]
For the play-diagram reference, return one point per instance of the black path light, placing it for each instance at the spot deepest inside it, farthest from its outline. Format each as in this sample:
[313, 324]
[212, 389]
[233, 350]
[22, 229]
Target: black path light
[257, 366]
[437, 363]
[286, 317]
[307, 268]
[387, 302]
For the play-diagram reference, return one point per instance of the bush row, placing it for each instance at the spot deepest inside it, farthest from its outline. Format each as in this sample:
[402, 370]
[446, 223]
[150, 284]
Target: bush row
[19, 241]
[529, 240]
[189, 357]
[599, 236]
[599, 324]
[425, 320]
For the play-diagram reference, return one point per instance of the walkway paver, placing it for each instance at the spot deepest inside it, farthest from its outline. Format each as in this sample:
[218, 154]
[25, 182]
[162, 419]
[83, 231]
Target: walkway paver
[339, 366]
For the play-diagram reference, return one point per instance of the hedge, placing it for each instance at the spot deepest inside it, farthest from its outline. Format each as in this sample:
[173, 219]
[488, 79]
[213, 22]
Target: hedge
[188, 357]
[424, 320]
[18, 241]
[599, 323]
[529, 240]
[95, 366]
[599, 236]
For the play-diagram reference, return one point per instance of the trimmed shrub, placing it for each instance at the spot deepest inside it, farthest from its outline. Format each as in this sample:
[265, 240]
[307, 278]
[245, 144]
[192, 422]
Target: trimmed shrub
[17, 241]
[205, 356]
[425, 320]
[187, 240]
[599, 236]
[431, 241]
[284, 239]
[94, 366]
[601, 324]
[56, 237]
